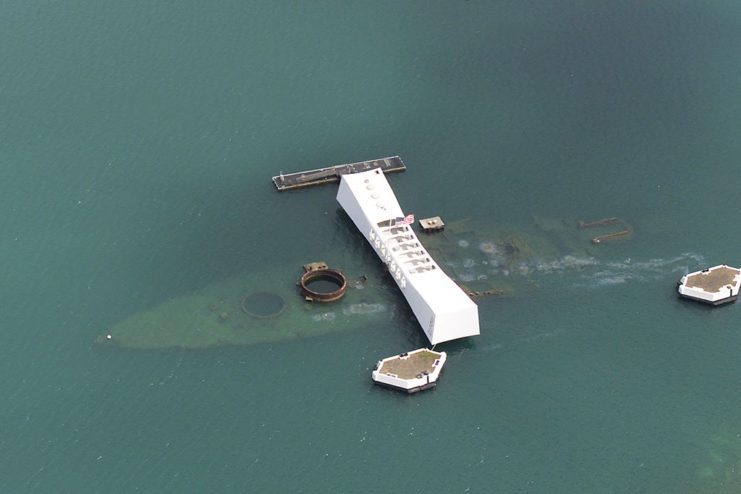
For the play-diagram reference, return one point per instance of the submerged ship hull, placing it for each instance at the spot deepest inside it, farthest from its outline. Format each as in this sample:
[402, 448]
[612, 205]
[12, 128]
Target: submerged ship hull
[251, 309]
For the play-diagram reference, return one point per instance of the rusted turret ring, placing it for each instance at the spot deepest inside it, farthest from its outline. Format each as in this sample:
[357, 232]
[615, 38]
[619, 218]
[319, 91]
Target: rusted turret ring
[327, 274]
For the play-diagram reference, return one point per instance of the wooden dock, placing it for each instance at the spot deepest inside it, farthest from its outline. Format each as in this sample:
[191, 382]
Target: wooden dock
[333, 173]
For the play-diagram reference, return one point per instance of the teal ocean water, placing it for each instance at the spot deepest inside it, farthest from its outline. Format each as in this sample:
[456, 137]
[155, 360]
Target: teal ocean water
[136, 151]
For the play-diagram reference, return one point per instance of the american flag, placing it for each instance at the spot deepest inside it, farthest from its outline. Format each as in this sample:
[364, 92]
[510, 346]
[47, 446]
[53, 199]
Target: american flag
[406, 220]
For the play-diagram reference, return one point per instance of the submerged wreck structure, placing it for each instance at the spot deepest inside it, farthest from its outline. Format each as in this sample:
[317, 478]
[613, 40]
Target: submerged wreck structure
[465, 258]
[255, 308]
[443, 310]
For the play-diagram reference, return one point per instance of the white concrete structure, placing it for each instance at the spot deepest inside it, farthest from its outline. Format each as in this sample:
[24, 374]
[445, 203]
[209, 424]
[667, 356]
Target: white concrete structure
[443, 310]
[716, 285]
[413, 371]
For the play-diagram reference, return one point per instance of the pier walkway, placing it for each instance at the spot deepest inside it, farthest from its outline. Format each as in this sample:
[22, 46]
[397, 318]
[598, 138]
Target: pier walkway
[333, 173]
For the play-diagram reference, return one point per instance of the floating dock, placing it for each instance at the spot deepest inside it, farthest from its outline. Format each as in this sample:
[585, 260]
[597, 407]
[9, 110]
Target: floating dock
[333, 173]
[411, 372]
[442, 308]
[717, 285]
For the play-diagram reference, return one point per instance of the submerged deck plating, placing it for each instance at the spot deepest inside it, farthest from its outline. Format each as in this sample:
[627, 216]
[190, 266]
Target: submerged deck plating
[443, 310]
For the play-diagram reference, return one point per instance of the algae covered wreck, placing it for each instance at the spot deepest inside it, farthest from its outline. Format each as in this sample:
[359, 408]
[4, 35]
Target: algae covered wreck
[484, 258]
[508, 259]
[245, 310]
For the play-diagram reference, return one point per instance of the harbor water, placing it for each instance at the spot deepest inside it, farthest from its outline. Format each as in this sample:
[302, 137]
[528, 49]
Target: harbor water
[136, 154]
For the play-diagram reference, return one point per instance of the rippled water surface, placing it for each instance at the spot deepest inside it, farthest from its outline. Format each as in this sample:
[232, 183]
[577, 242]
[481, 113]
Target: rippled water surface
[136, 151]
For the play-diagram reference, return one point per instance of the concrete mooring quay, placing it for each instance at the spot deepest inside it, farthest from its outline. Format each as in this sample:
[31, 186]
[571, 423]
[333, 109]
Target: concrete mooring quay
[333, 173]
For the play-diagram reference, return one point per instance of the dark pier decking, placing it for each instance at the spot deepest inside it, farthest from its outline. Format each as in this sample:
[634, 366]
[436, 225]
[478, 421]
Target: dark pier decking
[333, 173]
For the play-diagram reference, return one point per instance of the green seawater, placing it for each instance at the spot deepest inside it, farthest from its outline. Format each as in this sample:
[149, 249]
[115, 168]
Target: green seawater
[136, 149]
